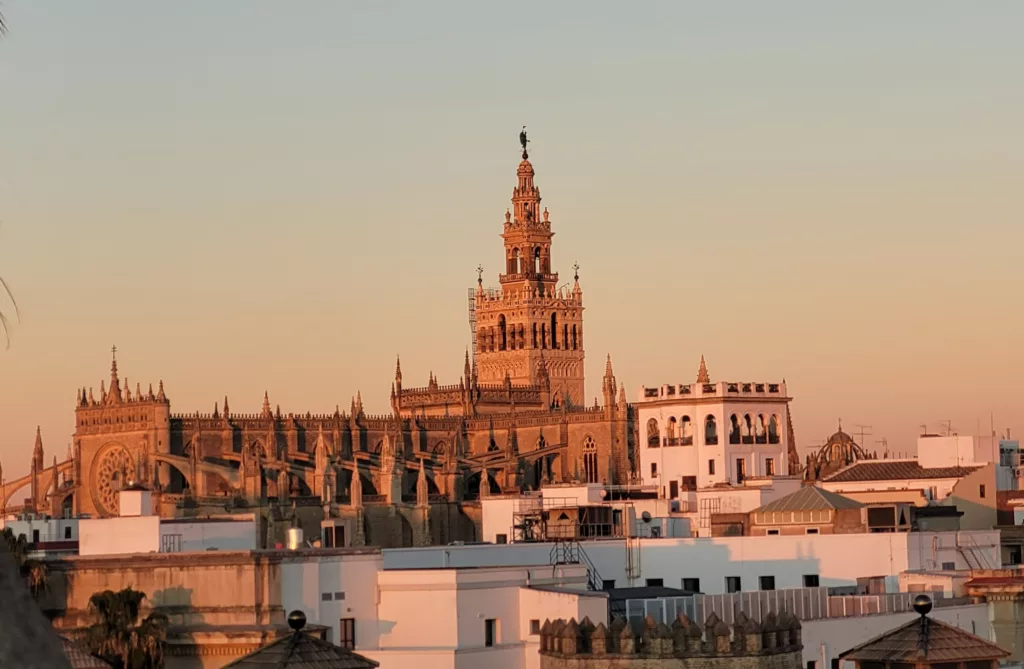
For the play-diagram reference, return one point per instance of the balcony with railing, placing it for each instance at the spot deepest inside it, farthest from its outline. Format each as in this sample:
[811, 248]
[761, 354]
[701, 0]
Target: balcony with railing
[720, 389]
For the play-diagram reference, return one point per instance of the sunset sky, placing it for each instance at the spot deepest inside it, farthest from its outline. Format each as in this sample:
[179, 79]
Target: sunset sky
[248, 196]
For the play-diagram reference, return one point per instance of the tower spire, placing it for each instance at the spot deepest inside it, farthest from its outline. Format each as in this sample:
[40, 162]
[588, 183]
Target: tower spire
[266, 404]
[37, 450]
[702, 373]
[114, 395]
[398, 369]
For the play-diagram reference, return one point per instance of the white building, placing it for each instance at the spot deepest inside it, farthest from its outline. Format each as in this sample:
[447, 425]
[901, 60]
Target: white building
[435, 618]
[697, 435]
[137, 530]
[727, 564]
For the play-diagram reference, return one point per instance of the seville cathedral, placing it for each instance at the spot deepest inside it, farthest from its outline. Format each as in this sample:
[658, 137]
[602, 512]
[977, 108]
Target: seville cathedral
[514, 419]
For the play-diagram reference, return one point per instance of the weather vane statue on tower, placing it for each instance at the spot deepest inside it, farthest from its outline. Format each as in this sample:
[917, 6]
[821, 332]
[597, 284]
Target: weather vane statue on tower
[524, 141]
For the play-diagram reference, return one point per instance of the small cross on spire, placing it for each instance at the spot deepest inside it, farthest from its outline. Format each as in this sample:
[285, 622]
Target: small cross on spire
[576, 269]
[480, 274]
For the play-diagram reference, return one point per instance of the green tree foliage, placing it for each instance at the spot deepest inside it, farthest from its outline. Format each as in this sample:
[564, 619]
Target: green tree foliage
[33, 571]
[119, 637]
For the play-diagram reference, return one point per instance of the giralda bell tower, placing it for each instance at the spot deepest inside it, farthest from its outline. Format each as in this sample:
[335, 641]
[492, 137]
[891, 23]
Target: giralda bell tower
[531, 328]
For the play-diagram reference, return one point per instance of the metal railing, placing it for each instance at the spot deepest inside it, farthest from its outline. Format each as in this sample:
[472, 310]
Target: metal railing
[570, 552]
[804, 603]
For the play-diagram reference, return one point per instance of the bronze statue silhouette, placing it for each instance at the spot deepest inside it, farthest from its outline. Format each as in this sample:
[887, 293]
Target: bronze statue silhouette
[523, 141]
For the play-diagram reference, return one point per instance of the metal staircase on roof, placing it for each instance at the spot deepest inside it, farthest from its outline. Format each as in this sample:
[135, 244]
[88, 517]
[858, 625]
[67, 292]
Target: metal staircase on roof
[569, 551]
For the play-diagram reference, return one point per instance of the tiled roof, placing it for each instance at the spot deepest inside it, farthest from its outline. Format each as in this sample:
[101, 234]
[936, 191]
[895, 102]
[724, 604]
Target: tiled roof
[895, 470]
[302, 651]
[80, 658]
[925, 640]
[810, 498]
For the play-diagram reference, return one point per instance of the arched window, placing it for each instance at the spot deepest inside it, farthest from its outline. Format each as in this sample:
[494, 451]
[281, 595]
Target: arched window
[481, 341]
[653, 437]
[536, 260]
[686, 431]
[565, 335]
[710, 431]
[574, 337]
[670, 432]
[543, 336]
[502, 333]
[773, 430]
[522, 336]
[554, 331]
[516, 267]
[734, 429]
[760, 430]
[491, 333]
[747, 429]
[534, 345]
[590, 460]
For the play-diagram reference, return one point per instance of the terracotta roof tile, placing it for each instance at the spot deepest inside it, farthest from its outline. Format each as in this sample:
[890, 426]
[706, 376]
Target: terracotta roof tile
[80, 658]
[895, 470]
[302, 651]
[925, 639]
[810, 498]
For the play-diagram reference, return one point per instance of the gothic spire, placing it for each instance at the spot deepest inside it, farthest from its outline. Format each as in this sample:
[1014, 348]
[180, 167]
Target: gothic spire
[266, 405]
[466, 369]
[398, 370]
[160, 392]
[37, 450]
[227, 411]
[702, 373]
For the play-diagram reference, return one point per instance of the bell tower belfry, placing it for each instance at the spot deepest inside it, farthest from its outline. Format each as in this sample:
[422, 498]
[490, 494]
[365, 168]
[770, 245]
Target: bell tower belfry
[531, 322]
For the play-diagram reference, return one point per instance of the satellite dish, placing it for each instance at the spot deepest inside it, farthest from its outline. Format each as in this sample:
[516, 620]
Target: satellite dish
[646, 516]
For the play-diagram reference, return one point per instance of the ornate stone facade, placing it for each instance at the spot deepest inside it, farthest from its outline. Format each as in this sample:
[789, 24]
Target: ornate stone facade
[775, 644]
[513, 421]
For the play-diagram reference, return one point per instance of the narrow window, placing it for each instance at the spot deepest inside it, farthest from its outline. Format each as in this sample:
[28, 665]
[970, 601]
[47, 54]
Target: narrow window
[490, 631]
[711, 467]
[733, 584]
[654, 469]
[769, 467]
[767, 582]
[347, 639]
[981, 491]
[673, 489]
[534, 627]
[554, 331]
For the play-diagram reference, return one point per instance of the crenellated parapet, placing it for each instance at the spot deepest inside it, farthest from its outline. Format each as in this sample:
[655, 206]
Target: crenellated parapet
[776, 643]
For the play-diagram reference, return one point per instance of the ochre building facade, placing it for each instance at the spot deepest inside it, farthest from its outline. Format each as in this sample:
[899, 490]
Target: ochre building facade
[514, 420]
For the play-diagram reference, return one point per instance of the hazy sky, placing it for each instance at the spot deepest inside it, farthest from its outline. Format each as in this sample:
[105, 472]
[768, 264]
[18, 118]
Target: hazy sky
[251, 195]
